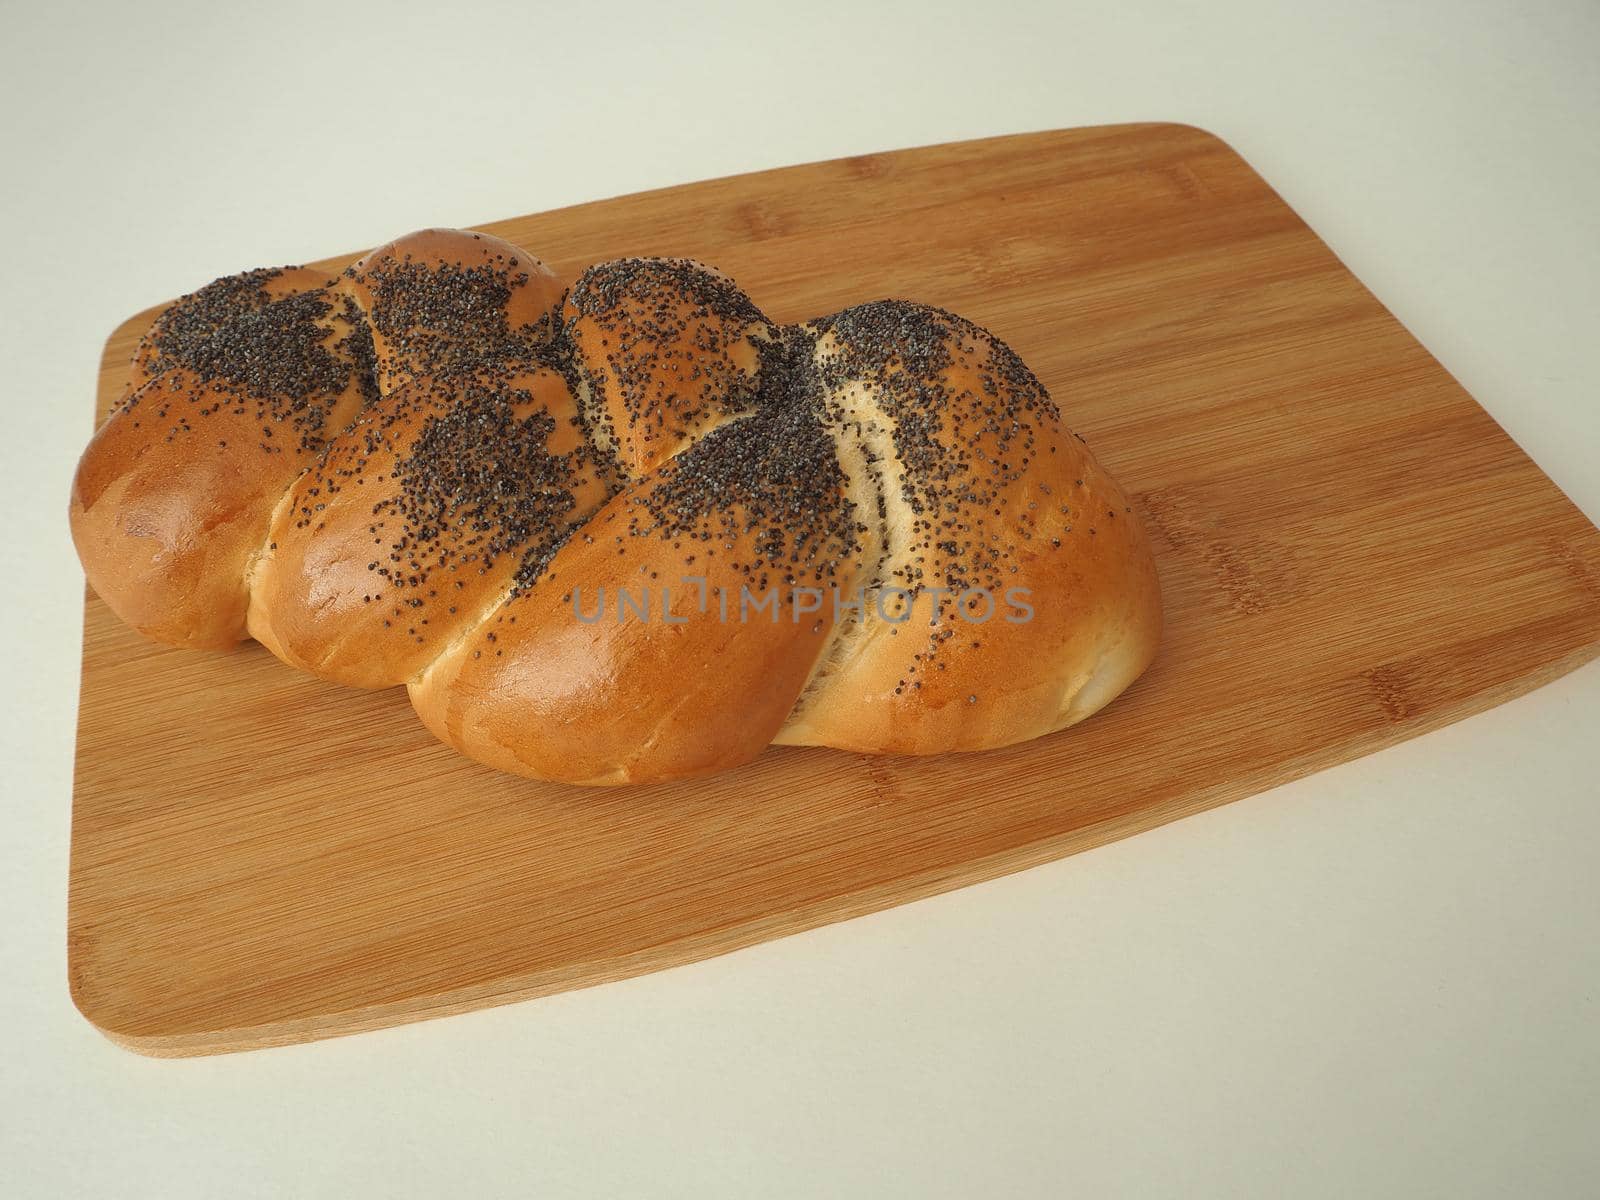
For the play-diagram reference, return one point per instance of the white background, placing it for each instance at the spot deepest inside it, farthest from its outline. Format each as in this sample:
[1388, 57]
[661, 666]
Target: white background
[1382, 981]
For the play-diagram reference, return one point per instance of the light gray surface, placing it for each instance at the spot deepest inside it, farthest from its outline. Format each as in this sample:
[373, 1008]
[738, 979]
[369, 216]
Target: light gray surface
[1381, 981]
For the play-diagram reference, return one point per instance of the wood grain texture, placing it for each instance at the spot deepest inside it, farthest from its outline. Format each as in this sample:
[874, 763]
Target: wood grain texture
[1352, 553]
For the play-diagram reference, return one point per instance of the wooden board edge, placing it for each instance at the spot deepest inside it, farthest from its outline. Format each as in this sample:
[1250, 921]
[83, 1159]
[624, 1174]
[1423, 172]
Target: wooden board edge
[714, 943]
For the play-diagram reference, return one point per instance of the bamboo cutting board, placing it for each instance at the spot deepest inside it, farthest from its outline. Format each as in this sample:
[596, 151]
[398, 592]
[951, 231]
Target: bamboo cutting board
[1352, 553]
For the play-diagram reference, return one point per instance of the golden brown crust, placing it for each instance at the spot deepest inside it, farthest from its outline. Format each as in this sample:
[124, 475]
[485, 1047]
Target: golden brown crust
[462, 478]
[417, 519]
[1016, 593]
[172, 495]
[663, 350]
[442, 299]
[1078, 621]
[589, 678]
[871, 532]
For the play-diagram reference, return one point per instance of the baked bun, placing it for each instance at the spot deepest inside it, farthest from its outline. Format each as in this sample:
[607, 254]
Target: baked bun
[621, 532]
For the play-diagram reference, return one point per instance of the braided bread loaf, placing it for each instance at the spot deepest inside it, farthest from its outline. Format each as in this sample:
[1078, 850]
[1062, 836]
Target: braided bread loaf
[625, 531]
